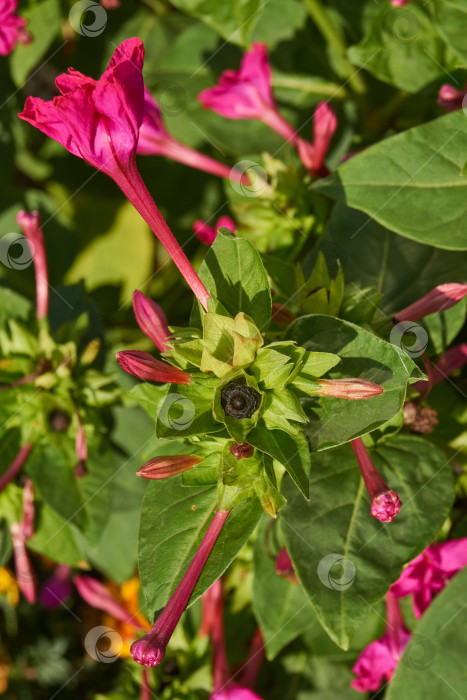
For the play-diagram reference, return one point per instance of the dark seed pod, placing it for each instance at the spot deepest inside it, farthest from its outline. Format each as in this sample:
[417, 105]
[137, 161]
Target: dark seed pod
[241, 451]
[239, 400]
[59, 420]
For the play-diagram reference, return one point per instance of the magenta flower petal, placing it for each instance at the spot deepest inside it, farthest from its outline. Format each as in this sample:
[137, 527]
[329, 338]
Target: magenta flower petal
[146, 367]
[208, 234]
[12, 30]
[56, 588]
[151, 319]
[235, 692]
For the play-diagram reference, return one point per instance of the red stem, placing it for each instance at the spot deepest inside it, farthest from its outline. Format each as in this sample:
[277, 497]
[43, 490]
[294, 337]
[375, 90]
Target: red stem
[15, 466]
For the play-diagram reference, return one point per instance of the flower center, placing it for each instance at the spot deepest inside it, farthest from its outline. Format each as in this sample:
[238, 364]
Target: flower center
[239, 400]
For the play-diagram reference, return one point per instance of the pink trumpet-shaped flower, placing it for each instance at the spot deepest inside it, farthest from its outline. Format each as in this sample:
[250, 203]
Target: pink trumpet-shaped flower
[211, 604]
[313, 154]
[440, 298]
[151, 319]
[31, 226]
[146, 367]
[354, 389]
[155, 140]
[385, 503]
[247, 93]
[379, 660]
[56, 588]
[15, 466]
[207, 234]
[97, 595]
[449, 362]
[20, 533]
[99, 121]
[451, 98]
[284, 566]
[165, 467]
[427, 574]
[12, 27]
[150, 649]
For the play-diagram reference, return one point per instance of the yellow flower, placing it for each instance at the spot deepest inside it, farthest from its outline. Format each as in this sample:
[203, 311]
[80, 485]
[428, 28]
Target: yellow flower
[9, 586]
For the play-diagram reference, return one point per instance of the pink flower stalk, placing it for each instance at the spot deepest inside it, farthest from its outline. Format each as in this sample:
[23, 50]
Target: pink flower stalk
[385, 503]
[165, 467]
[150, 649]
[254, 661]
[313, 154]
[224, 686]
[211, 604]
[152, 320]
[207, 234]
[155, 140]
[428, 573]
[450, 98]
[449, 362]
[31, 226]
[247, 93]
[15, 466]
[354, 389]
[110, 4]
[97, 595]
[146, 693]
[12, 27]
[20, 533]
[81, 447]
[56, 588]
[99, 121]
[146, 367]
[379, 660]
[440, 298]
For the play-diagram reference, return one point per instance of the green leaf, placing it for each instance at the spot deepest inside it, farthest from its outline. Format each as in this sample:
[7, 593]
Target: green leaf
[401, 270]
[279, 20]
[450, 19]
[234, 274]
[433, 664]
[232, 19]
[55, 538]
[401, 181]
[290, 450]
[271, 369]
[43, 22]
[187, 410]
[364, 356]
[336, 525]
[182, 515]
[401, 48]
[315, 364]
[281, 607]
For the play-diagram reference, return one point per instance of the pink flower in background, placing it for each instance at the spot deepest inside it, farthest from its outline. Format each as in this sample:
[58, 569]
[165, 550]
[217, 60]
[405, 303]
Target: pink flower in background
[451, 98]
[31, 227]
[155, 140]
[399, 3]
[313, 154]
[449, 362]
[428, 573]
[97, 595]
[12, 27]
[151, 319]
[110, 4]
[385, 503]
[208, 234]
[57, 588]
[20, 533]
[150, 649]
[440, 298]
[378, 660]
[247, 93]
[99, 121]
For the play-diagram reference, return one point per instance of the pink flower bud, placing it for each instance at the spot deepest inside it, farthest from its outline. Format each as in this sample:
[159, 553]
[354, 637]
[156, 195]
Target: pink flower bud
[165, 467]
[450, 98]
[440, 298]
[208, 234]
[399, 3]
[385, 503]
[20, 532]
[146, 367]
[313, 154]
[151, 319]
[30, 225]
[284, 566]
[355, 389]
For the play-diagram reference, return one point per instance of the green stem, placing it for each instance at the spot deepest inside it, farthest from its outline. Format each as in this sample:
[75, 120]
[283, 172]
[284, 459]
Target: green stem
[332, 35]
[309, 85]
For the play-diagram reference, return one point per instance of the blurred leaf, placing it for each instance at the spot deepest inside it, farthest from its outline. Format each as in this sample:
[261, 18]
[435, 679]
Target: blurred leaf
[450, 19]
[411, 183]
[344, 558]
[55, 538]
